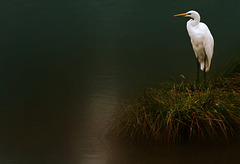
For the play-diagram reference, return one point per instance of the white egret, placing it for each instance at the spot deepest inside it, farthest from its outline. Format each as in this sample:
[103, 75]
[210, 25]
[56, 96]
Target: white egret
[201, 39]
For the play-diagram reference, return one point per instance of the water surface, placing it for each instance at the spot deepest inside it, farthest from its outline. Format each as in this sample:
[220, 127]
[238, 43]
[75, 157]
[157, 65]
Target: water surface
[67, 65]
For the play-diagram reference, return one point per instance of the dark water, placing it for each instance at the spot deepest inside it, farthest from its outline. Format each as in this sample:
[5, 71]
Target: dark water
[66, 65]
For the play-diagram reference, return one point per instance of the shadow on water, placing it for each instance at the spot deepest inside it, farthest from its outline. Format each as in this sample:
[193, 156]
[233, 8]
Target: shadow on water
[181, 154]
[109, 153]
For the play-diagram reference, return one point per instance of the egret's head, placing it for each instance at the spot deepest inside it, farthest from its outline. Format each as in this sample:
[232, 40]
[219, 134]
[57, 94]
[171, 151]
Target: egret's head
[192, 14]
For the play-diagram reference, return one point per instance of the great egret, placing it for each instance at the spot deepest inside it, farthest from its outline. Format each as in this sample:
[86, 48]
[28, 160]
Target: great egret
[201, 39]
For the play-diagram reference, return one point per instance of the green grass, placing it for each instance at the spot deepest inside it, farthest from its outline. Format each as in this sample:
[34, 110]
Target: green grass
[181, 113]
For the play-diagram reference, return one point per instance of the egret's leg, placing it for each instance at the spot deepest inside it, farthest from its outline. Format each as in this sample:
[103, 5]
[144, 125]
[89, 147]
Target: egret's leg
[205, 70]
[198, 67]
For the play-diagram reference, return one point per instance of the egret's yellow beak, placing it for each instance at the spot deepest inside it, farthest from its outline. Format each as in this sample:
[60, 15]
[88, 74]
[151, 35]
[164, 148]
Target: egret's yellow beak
[180, 15]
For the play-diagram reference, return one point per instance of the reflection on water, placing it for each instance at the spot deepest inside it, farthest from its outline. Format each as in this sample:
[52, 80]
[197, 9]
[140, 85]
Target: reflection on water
[183, 154]
[101, 106]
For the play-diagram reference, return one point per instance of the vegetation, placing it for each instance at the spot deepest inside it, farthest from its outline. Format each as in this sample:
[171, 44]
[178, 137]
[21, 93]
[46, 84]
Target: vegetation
[182, 113]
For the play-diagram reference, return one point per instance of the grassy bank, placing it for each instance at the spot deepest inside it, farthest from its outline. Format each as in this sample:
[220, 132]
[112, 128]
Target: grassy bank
[181, 113]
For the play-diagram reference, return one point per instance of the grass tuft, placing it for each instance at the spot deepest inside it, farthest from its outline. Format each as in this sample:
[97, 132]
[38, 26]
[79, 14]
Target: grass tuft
[182, 113]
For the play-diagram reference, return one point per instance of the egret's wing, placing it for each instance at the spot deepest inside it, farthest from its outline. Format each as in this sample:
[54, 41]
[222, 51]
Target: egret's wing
[208, 44]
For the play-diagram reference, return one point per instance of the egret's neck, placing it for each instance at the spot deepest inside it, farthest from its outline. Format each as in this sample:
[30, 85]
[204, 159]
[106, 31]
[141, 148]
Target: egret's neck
[194, 22]
[191, 24]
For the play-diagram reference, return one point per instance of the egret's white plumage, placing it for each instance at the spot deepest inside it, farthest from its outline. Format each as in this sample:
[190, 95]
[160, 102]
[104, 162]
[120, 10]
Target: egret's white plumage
[201, 39]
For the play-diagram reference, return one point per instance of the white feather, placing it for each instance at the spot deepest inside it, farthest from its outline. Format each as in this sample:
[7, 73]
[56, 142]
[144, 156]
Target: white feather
[201, 39]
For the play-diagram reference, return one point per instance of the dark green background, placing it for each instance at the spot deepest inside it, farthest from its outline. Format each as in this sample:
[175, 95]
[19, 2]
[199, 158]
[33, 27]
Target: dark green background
[55, 56]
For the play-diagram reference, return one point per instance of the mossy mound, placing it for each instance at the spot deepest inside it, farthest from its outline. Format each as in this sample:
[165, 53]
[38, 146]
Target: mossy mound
[182, 112]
